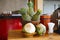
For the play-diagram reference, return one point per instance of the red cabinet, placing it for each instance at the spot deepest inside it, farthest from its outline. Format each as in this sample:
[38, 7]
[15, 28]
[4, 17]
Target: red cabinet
[7, 24]
[3, 30]
[14, 24]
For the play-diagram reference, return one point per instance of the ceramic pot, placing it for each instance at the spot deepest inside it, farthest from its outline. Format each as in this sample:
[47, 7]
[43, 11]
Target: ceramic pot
[35, 22]
[45, 19]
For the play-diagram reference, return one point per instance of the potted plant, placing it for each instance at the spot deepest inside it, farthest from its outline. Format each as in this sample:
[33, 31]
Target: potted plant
[28, 15]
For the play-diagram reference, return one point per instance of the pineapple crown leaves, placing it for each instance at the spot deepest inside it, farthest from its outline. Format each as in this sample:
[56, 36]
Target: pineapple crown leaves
[23, 11]
[30, 4]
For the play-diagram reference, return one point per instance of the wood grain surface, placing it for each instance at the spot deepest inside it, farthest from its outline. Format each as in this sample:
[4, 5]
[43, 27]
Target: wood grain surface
[17, 35]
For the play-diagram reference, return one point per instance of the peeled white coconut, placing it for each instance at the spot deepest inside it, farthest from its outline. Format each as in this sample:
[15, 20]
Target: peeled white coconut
[29, 28]
[41, 29]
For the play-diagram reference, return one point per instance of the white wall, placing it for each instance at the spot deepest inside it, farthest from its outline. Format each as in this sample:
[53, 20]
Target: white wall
[48, 6]
[40, 4]
[12, 4]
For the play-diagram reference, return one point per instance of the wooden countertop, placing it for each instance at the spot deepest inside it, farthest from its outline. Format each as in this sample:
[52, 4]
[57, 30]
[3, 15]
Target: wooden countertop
[16, 35]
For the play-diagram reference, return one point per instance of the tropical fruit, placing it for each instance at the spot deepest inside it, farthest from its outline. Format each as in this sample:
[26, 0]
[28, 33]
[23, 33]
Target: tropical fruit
[41, 29]
[29, 28]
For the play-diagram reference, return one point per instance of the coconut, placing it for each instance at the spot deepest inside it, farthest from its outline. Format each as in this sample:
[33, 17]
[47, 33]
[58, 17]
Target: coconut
[41, 29]
[29, 28]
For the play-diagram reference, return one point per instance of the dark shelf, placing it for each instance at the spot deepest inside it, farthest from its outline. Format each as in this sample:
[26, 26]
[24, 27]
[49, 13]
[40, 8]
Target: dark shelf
[1, 17]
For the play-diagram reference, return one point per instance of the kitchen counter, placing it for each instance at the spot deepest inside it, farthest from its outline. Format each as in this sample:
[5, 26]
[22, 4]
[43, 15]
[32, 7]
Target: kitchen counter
[16, 35]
